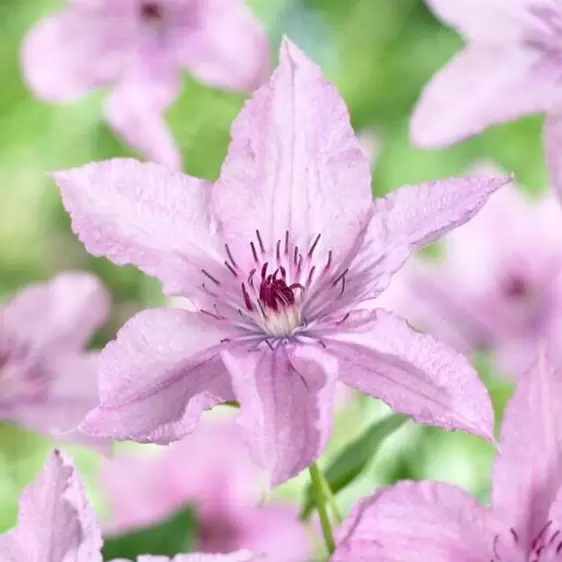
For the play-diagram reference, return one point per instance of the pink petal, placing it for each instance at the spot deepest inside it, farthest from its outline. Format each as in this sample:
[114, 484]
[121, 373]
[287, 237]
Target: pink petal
[417, 521]
[528, 471]
[498, 21]
[60, 315]
[553, 146]
[241, 556]
[142, 214]
[55, 523]
[481, 86]
[380, 355]
[294, 164]
[227, 48]
[158, 376]
[286, 398]
[135, 108]
[67, 55]
[412, 217]
[73, 393]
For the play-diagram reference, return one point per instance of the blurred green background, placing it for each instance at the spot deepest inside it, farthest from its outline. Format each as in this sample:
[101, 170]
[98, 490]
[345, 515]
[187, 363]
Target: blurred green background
[379, 53]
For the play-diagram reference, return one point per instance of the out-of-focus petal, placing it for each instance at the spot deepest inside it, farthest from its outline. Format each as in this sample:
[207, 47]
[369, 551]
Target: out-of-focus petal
[228, 46]
[136, 105]
[495, 21]
[528, 471]
[241, 556]
[142, 214]
[553, 145]
[65, 56]
[381, 356]
[294, 165]
[483, 85]
[158, 376]
[436, 521]
[60, 315]
[55, 523]
[286, 400]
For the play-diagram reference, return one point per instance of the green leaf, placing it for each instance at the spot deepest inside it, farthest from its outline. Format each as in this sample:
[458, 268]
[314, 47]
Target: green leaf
[349, 464]
[173, 536]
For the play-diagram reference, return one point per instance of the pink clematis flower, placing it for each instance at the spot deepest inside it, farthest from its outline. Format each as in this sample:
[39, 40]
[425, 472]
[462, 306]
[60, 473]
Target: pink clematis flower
[137, 48]
[510, 67]
[446, 524]
[281, 258]
[56, 524]
[499, 285]
[144, 490]
[47, 380]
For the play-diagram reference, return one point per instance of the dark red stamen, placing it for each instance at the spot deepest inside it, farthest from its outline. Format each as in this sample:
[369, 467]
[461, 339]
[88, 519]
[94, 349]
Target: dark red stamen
[274, 293]
[314, 244]
[231, 269]
[329, 260]
[286, 242]
[247, 300]
[260, 241]
[229, 254]
[213, 279]
[254, 253]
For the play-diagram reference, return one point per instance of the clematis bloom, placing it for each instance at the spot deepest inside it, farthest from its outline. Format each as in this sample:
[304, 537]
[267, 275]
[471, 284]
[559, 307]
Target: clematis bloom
[499, 284]
[510, 67]
[47, 380]
[446, 524]
[56, 524]
[281, 258]
[137, 48]
[210, 470]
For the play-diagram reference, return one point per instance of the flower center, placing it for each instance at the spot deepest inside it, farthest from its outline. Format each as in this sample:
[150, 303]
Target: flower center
[516, 288]
[152, 12]
[546, 546]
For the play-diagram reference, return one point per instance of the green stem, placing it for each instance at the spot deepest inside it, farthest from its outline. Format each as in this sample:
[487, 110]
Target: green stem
[331, 500]
[317, 480]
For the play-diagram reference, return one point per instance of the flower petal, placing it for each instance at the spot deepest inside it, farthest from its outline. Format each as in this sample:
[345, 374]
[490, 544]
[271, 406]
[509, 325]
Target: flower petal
[553, 146]
[498, 21]
[55, 523]
[142, 214]
[240, 556]
[228, 48]
[409, 218]
[481, 86]
[67, 55]
[60, 315]
[158, 376]
[286, 398]
[380, 355]
[294, 164]
[397, 524]
[528, 471]
[135, 107]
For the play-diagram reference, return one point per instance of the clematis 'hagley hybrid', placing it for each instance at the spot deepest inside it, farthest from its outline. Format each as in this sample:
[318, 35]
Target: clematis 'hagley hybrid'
[446, 524]
[281, 258]
[47, 380]
[56, 524]
[137, 48]
[499, 285]
[211, 470]
[511, 66]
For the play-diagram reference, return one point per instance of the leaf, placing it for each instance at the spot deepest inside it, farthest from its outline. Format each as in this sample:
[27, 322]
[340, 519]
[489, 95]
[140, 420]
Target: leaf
[349, 464]
[173, 536]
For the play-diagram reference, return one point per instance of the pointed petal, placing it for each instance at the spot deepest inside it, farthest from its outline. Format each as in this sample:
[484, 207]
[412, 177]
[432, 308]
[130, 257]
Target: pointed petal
[528, 471]
[66, 56]
[481, 86]
[286, 397]
[380, 355]
[553, 147]
[397, 524]
[60, 315]
[498, 21]
[409, 218]
[135, 108]
[228, 48]
[294, 164]
[55, 522]
[142, 214]
[158, 376]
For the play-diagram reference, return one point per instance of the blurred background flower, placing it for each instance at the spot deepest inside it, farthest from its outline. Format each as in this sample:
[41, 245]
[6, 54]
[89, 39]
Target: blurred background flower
[379, 54]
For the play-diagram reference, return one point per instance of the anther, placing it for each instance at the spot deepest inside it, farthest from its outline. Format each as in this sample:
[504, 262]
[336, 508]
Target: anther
[278, 251]
[264, 270]
[295, 254]
[286, 242]
[231, 269]
[229, 254]
[329, 260]
[254, 253]
[260, 241]
[247, 300]
[207, 274]
[310, 275]
[343, 319]
[313, 247]
[339, 277]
